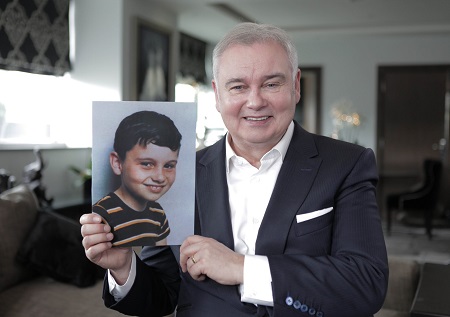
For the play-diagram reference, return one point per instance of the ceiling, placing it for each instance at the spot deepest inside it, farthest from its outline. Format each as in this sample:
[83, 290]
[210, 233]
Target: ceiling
[210, 19]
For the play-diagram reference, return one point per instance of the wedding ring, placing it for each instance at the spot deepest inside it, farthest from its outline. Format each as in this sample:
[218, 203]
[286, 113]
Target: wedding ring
[193, 259]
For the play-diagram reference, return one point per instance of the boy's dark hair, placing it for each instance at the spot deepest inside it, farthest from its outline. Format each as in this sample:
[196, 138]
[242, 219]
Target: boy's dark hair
[143, 128]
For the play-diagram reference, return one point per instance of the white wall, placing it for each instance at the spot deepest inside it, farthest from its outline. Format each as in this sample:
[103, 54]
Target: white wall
[98, 43]
[105, 58]
[350, 64]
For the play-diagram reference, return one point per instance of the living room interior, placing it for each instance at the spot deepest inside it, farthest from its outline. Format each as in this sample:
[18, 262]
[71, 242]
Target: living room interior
[354, 55]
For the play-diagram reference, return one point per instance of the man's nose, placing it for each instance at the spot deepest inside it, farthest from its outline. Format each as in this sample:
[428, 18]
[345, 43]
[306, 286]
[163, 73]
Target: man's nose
[255, 99]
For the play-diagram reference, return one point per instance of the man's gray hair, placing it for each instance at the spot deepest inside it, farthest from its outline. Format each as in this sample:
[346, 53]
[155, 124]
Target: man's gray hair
[249, 33]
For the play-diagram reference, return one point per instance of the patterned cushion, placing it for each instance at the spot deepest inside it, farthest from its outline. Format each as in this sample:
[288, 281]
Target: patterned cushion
[18, 210]
[53, 248]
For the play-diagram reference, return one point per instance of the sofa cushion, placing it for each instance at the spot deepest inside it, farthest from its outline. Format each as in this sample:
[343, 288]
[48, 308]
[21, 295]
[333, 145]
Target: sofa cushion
[391, 313]
[18, 209]
[45, 297]
[54, 249]
[404, 276]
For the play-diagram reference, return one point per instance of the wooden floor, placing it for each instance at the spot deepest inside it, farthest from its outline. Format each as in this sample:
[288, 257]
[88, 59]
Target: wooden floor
[412, 242]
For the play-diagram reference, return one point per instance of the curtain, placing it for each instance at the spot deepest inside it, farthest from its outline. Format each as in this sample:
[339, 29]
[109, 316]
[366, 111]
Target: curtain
[34, 36]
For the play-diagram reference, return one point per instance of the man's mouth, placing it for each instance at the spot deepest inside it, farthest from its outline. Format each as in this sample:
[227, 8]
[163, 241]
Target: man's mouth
[256, 118]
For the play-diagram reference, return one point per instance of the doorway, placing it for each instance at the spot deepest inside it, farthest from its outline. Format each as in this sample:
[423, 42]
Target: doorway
[307, 111]
[413, 124]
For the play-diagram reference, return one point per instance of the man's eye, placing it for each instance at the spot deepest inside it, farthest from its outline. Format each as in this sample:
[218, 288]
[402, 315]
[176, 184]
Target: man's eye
[146, 164]
[170, 166]
[272, 85]
[238, 87]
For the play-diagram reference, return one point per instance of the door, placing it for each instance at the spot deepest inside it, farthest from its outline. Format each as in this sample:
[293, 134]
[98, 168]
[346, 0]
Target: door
[413, 123]
[307, 111]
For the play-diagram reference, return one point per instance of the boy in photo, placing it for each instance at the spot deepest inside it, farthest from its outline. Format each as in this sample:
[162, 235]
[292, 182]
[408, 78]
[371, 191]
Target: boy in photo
[145, 156]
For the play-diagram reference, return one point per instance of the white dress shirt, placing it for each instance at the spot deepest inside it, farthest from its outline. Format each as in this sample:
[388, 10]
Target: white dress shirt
[249, 190]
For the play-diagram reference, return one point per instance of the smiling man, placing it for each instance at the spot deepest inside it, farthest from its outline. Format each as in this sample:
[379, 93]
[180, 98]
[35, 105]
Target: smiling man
[287, 222]
[256, 95]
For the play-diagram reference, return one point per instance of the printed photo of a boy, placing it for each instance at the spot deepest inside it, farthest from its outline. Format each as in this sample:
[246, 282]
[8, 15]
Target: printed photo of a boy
[144, 158]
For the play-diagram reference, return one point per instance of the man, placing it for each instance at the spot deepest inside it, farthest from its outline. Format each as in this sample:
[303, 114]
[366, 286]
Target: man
[286, 221]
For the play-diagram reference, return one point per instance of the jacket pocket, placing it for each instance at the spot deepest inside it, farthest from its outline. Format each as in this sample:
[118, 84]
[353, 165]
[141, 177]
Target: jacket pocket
[312, 223]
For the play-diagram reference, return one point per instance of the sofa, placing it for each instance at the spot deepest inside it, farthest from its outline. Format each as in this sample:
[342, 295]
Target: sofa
[43, 269]
[44, 272]
[404, 275]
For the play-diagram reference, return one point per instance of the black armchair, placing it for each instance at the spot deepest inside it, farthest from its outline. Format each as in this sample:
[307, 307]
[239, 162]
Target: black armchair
[421, 198]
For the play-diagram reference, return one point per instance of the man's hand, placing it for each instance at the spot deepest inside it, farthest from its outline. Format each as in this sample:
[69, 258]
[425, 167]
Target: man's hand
[97, 244]
[203, 257]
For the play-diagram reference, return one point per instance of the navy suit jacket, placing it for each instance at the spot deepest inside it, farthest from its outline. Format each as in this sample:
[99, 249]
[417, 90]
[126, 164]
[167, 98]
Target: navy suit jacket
[332, 265]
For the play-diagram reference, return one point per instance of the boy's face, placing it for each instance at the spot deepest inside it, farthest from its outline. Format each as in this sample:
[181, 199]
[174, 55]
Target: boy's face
[147, 173]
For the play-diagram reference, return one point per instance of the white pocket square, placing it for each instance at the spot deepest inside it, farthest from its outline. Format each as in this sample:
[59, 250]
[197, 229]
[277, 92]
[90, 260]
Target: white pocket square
[314, 214]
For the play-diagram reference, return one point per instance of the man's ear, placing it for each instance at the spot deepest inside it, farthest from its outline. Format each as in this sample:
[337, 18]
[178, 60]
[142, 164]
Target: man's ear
[115, 162]
[297, 87]
[216, 94]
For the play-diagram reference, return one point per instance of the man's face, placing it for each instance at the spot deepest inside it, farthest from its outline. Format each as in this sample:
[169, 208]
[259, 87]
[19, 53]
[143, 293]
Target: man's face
[256, 93]
[147, 173]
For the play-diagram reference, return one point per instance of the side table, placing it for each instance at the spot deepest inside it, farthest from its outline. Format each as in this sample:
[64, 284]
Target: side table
[433, 292]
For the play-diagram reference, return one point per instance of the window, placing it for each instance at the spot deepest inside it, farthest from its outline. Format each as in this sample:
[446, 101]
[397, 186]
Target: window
[210, 127]
[46, 110]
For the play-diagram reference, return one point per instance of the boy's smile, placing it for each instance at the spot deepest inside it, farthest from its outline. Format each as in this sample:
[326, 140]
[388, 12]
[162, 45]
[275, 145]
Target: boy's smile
[147, 173]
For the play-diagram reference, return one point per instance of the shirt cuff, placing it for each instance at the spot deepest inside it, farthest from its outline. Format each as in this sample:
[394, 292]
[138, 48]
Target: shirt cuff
[120, 291]
[257, 286]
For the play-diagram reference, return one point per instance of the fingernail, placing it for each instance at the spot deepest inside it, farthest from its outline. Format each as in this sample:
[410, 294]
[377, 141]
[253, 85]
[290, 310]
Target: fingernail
[97, 219]
[109, 236]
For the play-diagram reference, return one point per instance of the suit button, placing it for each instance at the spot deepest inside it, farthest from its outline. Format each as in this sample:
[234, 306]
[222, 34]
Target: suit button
[289, 300]
[297, 304]
[304, 308]
[311, 311]
[319, 314]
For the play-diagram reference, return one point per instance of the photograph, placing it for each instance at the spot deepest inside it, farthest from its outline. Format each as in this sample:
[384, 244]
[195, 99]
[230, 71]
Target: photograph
[153, 62]
[143, 170]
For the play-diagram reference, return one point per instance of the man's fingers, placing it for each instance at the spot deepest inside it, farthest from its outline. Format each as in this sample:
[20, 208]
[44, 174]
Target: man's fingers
[93, 239]
[94, 252]
[89, 229]
[90, 218]
[199, 278]
[190, 241]
[187, 249]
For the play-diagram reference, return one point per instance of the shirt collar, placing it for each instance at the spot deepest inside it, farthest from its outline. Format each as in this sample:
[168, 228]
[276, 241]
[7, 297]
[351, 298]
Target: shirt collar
[281, 146]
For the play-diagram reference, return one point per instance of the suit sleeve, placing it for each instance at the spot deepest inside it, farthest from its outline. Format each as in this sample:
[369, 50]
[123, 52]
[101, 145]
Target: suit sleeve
[155, 289]
[350, 278]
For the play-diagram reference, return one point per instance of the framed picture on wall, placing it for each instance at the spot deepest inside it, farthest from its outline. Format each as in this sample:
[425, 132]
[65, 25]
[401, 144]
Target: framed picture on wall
[153, 62]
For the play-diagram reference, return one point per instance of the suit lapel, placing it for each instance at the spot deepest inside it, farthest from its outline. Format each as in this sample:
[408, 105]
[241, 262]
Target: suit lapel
[214, 211]
[213, 206]
[294, 181]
